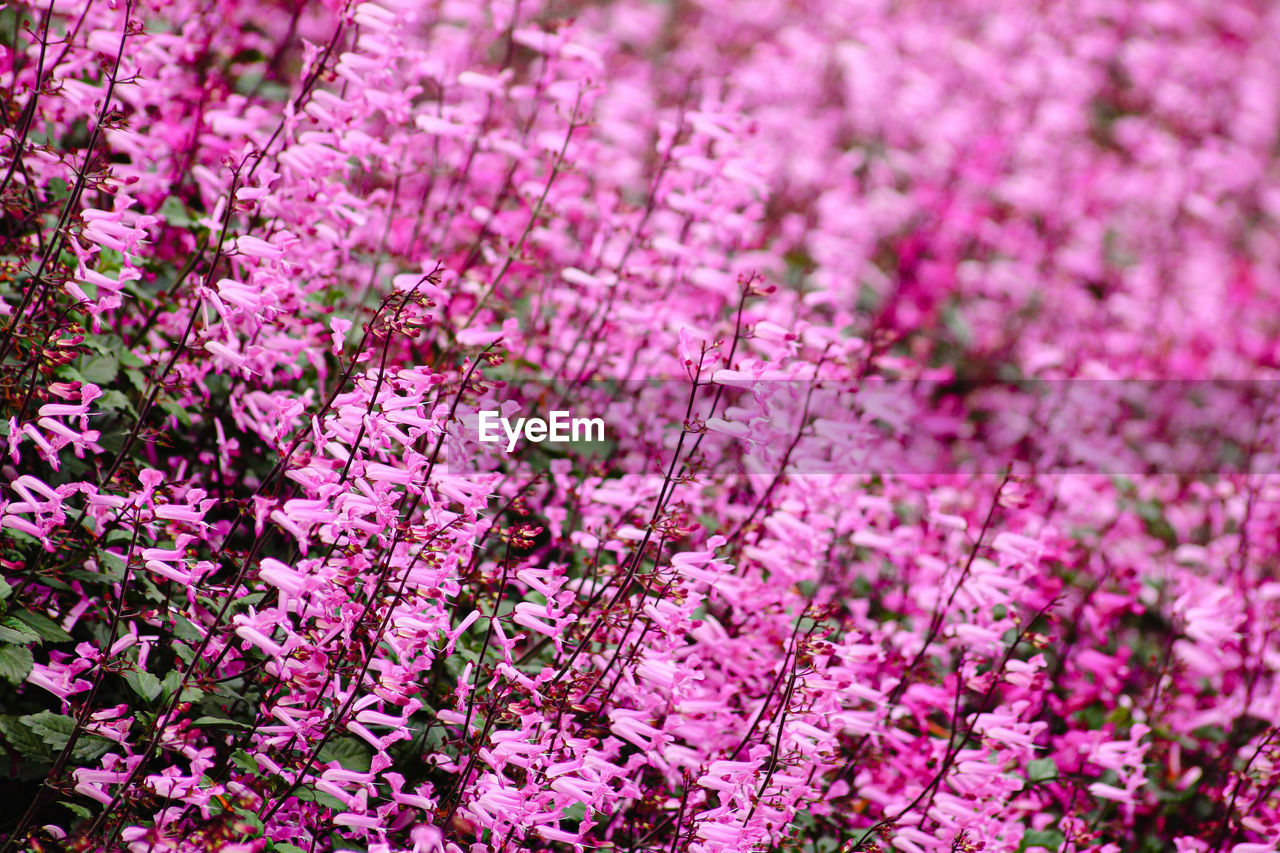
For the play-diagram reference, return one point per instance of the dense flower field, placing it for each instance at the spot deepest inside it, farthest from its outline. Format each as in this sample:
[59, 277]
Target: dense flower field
[263, 263]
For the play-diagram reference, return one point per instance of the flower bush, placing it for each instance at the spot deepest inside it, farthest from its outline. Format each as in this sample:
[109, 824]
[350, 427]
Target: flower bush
[264, 262]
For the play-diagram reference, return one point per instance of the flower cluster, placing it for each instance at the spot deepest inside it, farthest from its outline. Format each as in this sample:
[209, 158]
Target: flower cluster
[262, 263]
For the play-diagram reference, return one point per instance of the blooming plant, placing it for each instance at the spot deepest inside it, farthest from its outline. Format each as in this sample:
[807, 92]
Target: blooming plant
[265, 266]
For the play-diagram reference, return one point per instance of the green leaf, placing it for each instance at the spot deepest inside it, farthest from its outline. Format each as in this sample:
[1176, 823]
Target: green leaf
[45, 628]
[112, 565]
[184, 629]
[228, 692]
[136, 379]
[99, 370]
[311, 795]
[209, 722]
[1051, 838]
[352, 753]
[179, 411]
[77, 810]
[110, 260]
[15, 663]
[53, 729]
[172, 681]
[252, 820]
[144, 684]
[114, 401]
[89, 748]
[286, 847]
[117, 536]
[22, 540]
[5, 590]
[13, 631]
[175, 213]
[1153, 518]
[25, 742]
[1041, 770]
[183, 652]
[245, 762]
[100, 343]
